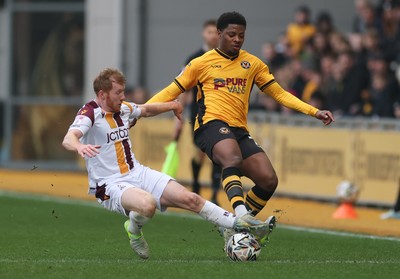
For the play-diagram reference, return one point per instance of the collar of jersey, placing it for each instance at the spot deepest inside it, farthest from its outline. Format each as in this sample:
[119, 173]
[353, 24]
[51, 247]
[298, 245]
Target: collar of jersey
[107, 112]
[220, 52]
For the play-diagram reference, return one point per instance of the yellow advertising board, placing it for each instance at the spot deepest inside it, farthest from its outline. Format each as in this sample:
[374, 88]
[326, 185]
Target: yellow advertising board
[377, 169]
[312, 161]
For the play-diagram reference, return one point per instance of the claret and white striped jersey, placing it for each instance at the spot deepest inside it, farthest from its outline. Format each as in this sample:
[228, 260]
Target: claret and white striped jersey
[111, 132]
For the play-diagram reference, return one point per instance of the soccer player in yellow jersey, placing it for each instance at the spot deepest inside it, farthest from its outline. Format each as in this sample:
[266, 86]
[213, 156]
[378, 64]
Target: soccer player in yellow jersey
[224, 77]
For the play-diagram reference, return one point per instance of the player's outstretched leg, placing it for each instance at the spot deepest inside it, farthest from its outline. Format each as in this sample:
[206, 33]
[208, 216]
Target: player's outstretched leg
[175, 195]
[141, 207]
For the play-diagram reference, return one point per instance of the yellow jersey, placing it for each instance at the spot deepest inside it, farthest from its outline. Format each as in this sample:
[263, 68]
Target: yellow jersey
[224, 86]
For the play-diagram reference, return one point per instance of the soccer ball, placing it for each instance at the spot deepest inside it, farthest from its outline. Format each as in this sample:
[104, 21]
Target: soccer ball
[347, 192]
[243, 247]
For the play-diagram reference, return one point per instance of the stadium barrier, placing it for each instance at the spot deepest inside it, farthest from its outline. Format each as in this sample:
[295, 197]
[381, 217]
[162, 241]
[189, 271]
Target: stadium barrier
[310, 160]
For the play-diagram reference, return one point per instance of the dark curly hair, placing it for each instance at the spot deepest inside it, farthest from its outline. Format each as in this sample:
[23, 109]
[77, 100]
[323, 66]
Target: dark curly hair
[230, 18]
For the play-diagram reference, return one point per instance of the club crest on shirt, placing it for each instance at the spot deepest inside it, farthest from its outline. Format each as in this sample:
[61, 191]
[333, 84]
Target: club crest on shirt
[245, 64]
[224, 130]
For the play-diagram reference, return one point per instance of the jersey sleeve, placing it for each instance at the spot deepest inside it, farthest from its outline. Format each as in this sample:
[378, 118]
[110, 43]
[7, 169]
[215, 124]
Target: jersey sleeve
[84, 119]
[263, 78]
[184, 81]
[82, 123]
[289, 100]
[188, 77]
[134, 110]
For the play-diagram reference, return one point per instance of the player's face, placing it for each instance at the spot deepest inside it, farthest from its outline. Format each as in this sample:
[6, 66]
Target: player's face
[210, 36]
[232, 39]
[113, 99]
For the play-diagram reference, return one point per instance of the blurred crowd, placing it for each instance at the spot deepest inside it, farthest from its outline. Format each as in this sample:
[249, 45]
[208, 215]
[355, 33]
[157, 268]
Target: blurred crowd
[352, 74]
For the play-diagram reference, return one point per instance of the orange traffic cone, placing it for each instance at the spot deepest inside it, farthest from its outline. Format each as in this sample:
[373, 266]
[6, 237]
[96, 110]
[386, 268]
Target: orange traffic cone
[345, 211]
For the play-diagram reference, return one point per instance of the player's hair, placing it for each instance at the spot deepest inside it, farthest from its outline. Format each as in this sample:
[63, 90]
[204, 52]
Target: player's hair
[230, 18]
[210, 22]
[103, 80]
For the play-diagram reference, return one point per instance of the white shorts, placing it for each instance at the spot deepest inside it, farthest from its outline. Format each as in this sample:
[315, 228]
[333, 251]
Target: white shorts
[141, 177]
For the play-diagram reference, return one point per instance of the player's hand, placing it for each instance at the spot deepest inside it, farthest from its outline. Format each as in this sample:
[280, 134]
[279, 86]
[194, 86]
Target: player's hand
[178, 109]
[325, 116]
[88, 150]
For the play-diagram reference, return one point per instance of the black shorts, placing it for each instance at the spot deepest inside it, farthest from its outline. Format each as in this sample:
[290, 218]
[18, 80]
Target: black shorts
[206, 136]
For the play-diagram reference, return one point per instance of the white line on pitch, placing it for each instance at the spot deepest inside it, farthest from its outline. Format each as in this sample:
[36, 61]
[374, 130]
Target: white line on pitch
[194, 261]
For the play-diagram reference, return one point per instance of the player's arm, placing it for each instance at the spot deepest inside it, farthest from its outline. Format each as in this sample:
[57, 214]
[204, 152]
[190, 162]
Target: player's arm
[185, 80]
[290, 101]
[71, 142]
[169, 93]
[152, 109]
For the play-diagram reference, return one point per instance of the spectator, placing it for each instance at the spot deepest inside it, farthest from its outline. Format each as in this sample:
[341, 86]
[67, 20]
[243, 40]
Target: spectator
[343, 96]
[356, 44]
[321, 45]
[297, 81]
[370, 41]
[390, 37]
[379, 98]
[370, 46]
[324, 23]
[271, 57]
[300, 31]
[366, 17]
[339, 43]
[326, 64]
[311, 78]
[317, 99]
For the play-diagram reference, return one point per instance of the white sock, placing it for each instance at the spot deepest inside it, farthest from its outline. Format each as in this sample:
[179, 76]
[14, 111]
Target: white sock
[241, 210]
[136, 223]
[215, 214]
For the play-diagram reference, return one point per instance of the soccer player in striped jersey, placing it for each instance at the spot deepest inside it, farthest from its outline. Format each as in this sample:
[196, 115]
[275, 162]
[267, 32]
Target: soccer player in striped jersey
[225, 77]
[100, 134]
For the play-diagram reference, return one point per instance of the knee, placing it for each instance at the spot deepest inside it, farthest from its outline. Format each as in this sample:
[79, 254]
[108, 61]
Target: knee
[270, 182]
[274, 181]
[148, 206]
[232, 161]
[193, 202]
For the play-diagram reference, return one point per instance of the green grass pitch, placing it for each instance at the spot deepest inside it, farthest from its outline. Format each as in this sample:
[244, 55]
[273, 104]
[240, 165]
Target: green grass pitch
[57, 238]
